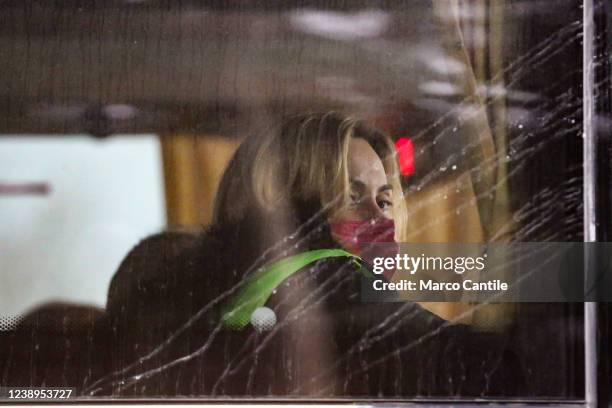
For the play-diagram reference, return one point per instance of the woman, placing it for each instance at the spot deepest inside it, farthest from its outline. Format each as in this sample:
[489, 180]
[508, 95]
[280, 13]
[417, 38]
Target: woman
[255, 306]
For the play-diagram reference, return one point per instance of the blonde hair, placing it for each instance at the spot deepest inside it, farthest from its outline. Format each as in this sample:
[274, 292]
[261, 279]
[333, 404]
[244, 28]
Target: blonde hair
[304, 160]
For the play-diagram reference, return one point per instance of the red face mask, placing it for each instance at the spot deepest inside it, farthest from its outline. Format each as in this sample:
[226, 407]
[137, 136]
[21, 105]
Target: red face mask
[358, 236]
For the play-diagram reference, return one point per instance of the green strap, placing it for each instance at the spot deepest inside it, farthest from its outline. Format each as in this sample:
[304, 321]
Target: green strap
[237, 312]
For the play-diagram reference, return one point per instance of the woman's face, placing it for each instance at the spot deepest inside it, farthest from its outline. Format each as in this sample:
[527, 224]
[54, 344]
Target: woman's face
[371, 193]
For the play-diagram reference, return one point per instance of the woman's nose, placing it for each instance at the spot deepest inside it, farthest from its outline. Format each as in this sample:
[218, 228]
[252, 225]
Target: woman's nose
[370, 210]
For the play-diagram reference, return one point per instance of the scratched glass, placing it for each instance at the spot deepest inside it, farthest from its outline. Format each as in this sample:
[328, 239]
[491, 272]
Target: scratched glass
[119, 119]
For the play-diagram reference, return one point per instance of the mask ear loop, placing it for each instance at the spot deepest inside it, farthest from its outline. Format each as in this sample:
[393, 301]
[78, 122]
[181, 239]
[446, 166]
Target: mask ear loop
[236, 313]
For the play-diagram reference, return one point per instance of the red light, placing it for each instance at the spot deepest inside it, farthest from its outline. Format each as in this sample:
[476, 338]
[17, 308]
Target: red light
[405, 152]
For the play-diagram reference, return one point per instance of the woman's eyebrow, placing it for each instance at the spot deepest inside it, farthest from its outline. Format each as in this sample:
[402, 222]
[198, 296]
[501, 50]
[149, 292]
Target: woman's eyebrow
[357, 184]
[386, 187]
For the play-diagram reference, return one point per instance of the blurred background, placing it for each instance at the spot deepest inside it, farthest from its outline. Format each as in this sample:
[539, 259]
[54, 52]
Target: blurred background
[119, 117]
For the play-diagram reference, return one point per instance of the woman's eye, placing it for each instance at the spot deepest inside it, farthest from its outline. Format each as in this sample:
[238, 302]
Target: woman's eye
[385, 204]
